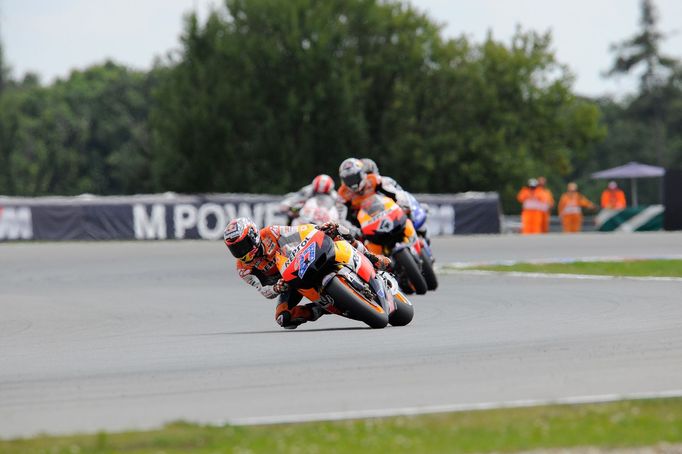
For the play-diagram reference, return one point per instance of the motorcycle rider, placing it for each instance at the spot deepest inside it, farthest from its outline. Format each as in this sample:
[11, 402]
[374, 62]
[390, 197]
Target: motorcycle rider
[256, 250]
[389, 187]
[294, 201]
[358, 184]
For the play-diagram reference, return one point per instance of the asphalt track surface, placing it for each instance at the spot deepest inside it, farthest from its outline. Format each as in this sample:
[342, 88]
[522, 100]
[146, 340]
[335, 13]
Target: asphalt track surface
[117, 336]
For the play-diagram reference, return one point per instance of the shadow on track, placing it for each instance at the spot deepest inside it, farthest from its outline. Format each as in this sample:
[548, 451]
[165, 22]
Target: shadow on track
[284, 331]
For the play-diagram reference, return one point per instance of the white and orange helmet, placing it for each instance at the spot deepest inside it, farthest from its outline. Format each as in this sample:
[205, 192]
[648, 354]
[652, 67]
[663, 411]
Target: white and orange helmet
[323, 184]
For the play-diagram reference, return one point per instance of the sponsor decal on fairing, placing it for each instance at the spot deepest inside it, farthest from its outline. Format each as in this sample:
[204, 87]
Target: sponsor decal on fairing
[306, 259]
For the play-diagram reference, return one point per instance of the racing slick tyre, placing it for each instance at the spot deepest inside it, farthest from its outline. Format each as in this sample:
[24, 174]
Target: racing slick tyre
[428, 272]
[403, 313]
[346, 298]
[411, 269]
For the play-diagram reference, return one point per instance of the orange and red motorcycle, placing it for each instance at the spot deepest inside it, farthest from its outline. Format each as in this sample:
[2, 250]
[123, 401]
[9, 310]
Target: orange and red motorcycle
[388, 230]
[342, 280]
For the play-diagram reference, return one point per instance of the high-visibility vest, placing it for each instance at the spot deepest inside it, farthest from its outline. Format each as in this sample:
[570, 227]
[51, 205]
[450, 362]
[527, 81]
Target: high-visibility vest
[613, 199]
[532, 203]
[572, 203]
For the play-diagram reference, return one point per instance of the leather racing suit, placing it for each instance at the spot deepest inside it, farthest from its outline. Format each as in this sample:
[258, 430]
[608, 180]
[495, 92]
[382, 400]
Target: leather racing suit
[263, 274]
[373, 183]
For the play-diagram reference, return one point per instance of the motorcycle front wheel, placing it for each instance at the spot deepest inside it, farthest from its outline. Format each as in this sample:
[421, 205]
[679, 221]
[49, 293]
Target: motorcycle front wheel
[349, 300]
[403, 313]
[412, 270]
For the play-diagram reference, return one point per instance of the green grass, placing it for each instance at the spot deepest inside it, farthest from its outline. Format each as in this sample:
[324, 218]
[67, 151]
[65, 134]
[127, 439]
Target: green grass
[667, 268]
[610, 425]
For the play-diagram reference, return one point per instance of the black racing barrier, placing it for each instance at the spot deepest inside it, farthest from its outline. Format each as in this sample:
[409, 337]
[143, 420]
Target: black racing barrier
[175, 216]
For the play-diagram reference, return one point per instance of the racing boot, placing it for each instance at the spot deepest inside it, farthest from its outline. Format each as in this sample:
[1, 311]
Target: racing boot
[292, 318]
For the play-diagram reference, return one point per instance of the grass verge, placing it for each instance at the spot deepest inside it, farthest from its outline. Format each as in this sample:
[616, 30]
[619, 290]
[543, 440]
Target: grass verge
[606, 425]
[664, 268]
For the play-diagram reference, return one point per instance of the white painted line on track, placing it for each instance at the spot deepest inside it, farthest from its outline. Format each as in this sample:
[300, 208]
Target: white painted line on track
[590, 277]
[451, 408]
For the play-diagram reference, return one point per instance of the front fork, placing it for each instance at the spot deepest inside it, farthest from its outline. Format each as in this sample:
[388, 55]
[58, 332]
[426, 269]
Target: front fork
[359, 272]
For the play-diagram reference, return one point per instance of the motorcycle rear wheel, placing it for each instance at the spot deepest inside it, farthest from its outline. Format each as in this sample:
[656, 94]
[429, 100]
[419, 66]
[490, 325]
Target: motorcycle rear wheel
[411, 268]
[428, 272]
[346, 298]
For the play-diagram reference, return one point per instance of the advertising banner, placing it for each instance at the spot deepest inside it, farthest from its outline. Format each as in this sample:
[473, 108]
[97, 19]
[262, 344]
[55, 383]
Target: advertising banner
[174, 216]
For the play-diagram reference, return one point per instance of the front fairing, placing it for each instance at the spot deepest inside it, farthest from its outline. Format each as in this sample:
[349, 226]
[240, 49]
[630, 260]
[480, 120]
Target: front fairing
[382, 221]
[307, 263]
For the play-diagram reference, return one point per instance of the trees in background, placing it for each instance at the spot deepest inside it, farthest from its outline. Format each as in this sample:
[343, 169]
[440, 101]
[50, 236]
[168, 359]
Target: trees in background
[646, 126]
[644, 50]
[265, 94]
[88, 133]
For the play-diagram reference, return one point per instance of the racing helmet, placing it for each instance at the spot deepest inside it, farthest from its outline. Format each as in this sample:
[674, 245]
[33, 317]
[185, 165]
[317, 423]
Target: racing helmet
[352, 173]
[323, 184]
[370, 166]
[242, 239]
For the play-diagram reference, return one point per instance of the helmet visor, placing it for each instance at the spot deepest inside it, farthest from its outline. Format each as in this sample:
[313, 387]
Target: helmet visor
[353, 180]
[244, 250]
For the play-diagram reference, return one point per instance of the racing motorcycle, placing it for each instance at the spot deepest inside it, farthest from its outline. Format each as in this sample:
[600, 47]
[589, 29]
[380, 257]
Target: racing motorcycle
[417, 214]
[343, 281]
[388, 231]
[319, 209]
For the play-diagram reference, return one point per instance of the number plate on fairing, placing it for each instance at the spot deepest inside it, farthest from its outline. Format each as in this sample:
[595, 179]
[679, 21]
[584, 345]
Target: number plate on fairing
[305, 259]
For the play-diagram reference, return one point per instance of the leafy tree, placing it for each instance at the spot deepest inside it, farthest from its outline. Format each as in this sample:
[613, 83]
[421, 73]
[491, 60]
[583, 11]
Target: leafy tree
[644, 50]
[87, 133]
[108, 106]
[266, 93]
[7, 126]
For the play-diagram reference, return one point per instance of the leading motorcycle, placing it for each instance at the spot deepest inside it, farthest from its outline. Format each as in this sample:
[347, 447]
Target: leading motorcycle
[342, 280]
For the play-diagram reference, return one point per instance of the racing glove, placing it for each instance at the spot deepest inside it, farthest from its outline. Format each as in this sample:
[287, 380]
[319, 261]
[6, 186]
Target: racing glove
[380, 262]
[329, 228]
[334, 230]
[280, 286]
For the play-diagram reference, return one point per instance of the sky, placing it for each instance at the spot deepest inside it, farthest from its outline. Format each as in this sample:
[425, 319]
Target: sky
[52, 37]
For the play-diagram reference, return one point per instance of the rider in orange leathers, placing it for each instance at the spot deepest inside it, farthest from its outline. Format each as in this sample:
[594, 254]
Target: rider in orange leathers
[256, 253]
[535, 203]
[571, 204]
[357, 185]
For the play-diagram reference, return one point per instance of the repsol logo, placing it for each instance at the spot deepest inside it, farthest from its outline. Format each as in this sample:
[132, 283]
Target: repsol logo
[16, 223]
[206, 221]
